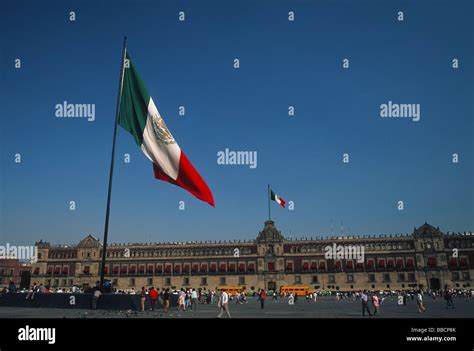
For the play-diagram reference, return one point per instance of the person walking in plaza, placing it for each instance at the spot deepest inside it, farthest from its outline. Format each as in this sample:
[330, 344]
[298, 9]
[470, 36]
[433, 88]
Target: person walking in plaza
[12, 287]
[153, 296]
[166, 300]
[365, 303]
[181, 300]
[419, 302]
[142, 299]
[375, 303]
[223, 305]
[31, 293]
[263, 296]
[187, 299]
[194, 298]
[95, 298]
[448, 296]
[291, 300]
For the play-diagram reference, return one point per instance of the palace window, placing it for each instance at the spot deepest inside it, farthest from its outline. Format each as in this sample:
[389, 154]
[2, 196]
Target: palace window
[386, 277]
[159, 269]
[455, 276]
[411, 277]
[222, 280]
[297, 279]
[314, 279]
[167, 281]
[399, 262]
[203, 268]
[431, 262]
[465, 276]
[186, 281]
[177, 268]
[149, 281]
[331, 278]
[131, 282]
[371, 277]
[401, 277]
[241, 280]
[251, 267]
[350, 278]
[241, 267]
[203, 281]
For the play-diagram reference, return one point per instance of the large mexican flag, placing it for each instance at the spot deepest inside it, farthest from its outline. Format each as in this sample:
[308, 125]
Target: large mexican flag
[140, 117]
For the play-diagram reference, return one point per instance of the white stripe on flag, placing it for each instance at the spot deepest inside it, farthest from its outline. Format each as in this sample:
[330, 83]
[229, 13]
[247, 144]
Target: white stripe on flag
[164, 156]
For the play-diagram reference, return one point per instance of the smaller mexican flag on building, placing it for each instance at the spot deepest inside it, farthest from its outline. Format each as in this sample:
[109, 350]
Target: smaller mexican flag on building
[277, 198]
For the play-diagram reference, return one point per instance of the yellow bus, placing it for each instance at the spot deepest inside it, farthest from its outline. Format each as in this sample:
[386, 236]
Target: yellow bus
[300, 290]
[231, 290]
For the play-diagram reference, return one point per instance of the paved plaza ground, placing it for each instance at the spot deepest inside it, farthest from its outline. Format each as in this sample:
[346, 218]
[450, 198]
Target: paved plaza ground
[325, 307]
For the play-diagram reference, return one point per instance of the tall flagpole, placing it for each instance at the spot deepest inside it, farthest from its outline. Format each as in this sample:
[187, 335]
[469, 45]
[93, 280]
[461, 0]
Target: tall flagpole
[268, 195]
[107, 213]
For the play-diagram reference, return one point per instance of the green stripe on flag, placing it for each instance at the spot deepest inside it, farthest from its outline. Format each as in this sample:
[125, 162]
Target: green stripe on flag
[134, 103]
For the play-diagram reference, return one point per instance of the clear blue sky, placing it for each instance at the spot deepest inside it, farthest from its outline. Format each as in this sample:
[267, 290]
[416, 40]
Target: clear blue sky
[282, 63]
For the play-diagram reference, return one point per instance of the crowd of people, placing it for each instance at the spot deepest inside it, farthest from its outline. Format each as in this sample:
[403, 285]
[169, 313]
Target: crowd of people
[188, 299]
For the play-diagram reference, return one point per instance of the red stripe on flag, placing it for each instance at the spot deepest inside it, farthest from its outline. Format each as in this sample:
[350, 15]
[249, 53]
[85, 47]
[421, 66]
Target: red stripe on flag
[282, 202]
[188, 179]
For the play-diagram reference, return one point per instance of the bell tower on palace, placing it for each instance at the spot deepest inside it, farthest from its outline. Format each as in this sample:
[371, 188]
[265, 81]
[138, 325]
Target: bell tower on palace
[270, 256]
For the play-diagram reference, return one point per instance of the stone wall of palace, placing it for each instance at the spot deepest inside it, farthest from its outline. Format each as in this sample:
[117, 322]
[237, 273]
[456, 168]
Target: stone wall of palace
[425, 258]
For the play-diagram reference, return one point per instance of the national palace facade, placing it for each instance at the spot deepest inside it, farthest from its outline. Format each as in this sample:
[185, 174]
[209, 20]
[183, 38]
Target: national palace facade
[425, 258]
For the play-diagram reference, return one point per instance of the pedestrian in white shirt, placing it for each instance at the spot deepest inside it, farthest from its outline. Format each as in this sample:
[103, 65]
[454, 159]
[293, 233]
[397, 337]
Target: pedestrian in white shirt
[223, 304]
[419, 302]
[194, 297]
